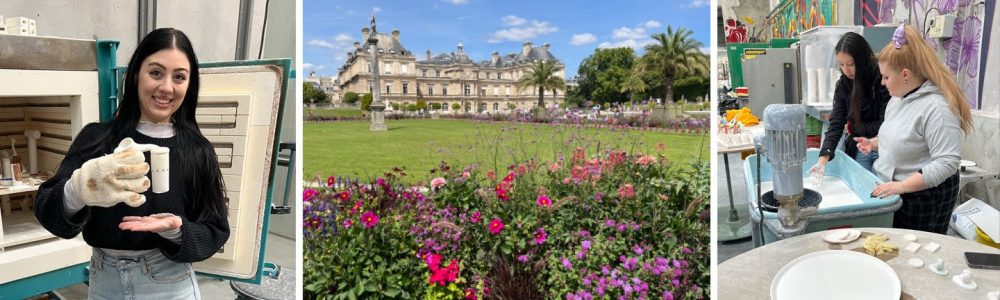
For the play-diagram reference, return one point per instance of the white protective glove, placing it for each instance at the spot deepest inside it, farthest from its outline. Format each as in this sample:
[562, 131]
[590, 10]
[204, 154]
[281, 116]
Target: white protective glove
[118, 177]
[817, 172]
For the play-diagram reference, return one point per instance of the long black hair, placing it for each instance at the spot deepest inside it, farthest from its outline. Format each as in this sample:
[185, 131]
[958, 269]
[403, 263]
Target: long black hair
[203, 182]
[865, 71]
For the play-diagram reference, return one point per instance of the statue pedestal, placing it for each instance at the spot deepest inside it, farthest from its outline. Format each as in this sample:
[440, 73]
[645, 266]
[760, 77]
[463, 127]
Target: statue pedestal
[378, 118]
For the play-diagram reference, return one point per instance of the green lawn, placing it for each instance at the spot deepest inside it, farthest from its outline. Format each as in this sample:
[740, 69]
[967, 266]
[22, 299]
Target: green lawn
[349, 149]
[334, 112]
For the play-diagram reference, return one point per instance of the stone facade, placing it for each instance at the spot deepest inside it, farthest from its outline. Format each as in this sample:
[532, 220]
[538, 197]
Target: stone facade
[447, 78]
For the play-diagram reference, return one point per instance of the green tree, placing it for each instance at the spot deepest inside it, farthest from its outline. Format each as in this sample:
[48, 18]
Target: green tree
[366, 102]
[411, 107]
[421, 104]
[312, 94]
[674, 55]
[436, 106]
[541, 75]
[456, 106]
[602, 75]
[633, 85]
[691, 87]
[351, 98]
[511, 106]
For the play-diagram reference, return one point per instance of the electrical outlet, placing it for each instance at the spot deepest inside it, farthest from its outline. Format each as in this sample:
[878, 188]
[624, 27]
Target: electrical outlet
[941, 27]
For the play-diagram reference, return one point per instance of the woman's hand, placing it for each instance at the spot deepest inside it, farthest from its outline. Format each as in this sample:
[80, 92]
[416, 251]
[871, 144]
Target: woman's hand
[889, 189]
[152, 223]
[866, 145]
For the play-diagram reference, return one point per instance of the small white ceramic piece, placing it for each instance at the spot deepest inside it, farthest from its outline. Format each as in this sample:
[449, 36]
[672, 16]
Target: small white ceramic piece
[916, 263]
[932, 247]
[964, 280]
[910, 237]
[912, 247]
[966, 163]
[938, 267]
[841, 236]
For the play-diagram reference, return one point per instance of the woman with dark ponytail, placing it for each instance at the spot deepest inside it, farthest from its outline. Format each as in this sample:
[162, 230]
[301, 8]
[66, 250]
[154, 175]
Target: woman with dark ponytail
[144, 242]
[921, 134]
[858, 104]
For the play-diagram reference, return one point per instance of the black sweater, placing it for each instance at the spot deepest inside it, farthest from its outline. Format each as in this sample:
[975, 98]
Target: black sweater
[873, 105]
[200, 239]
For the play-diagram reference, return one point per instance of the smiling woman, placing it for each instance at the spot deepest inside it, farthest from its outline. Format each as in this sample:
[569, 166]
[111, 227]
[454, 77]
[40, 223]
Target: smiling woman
[144, 248]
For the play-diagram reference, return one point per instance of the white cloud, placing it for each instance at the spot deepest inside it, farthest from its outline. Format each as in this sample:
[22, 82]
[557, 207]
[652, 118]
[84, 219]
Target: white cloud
[634, 38]
[512, 20]
[321, 44]
[457, 2]
[376, 9]
[699, 3]
[527, 31]
[626, 33]
[582, 39]
[313, 67]
[340, 44]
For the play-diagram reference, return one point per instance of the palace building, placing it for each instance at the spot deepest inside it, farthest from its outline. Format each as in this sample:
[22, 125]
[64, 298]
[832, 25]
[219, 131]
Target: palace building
[447, 78]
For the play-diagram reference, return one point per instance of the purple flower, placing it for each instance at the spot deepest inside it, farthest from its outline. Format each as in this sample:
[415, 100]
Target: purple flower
[584, 233]
[667, 295]
[605, 269]
[581, 254]
[622, 227]
[523, 258]
[566, 264]
[687, 250]
[637, 249]
[609, 223]
[585, 244]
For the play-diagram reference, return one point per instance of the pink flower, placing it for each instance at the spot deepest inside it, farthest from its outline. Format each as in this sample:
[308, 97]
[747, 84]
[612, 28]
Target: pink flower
[544, 201]
[345, 195]
[521, 169]
[470, 294]
[369, 219]
[492, 176]
[466, 174]
[433, 261]
[540, 236]
[476, 217]
[646, 160]
[566, 263]
[436, 183]
[308, 194]
[496, 226]
[502, 193]
[329, 181]
[554, 167]
[348, 223]
[510, 177]
[626, 191]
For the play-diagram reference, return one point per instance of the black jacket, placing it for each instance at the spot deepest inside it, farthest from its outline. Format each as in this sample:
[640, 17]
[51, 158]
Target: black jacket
[200, 239]
[872, 113]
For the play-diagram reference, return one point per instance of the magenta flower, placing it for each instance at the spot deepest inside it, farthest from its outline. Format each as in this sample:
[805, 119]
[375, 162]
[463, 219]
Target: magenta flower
[544, 201]
[496, 226]
[348, 223]
[566, 263]
[585, 244]
[523, 258]
[540, 236]
[626, 191]
[308, 194]
[476, 217]
[330, 181]
[369, 219]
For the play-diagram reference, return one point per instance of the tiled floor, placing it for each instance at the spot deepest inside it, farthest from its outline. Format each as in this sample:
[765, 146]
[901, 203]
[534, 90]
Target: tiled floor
[280, 251]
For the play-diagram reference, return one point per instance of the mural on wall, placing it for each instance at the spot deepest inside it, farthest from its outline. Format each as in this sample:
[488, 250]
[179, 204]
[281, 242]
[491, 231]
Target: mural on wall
[745, 31]
[961, 53]
[871, 12]
[795, 16]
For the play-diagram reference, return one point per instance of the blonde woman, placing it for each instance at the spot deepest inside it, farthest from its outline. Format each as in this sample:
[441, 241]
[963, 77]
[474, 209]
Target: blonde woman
[919, 139]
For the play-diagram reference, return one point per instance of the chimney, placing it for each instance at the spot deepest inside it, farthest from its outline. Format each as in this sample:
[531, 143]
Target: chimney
[494, 58]
[526, 49]
[428, 54]
[460, 48]
[364, 34]
[546, 46]
[395, 34]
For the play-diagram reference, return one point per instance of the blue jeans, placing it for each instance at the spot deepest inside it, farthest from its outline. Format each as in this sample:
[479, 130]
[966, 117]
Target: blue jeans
[867, 160]
[149, 276]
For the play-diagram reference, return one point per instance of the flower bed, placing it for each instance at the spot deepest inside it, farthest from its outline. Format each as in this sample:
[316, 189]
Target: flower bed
[601, 226]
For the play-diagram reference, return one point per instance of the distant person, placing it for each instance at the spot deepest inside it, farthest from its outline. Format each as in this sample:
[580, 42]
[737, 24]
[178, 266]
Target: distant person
[919, 139]
[858, 103]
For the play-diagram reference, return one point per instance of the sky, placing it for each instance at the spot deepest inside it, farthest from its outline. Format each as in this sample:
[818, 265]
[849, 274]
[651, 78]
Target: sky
[574, 29]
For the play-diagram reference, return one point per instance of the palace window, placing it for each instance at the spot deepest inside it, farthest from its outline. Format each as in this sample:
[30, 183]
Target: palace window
[403, 69]
[430, 89]
[405, 85]
[444, 89]
[388, 68]
[388, 88]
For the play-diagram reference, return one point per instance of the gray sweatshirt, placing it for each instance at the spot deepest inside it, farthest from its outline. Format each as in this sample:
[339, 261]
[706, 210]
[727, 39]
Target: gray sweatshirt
[920, 133]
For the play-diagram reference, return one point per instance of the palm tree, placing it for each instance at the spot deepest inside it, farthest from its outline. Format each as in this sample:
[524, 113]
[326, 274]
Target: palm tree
[542, 75]
[674, 54]
[633, 85]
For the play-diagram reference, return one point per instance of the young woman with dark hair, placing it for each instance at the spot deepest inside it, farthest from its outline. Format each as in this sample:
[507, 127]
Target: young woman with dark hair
[144, 243]
[921, 134]
[858, 104]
